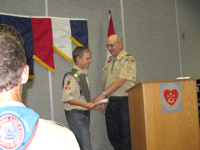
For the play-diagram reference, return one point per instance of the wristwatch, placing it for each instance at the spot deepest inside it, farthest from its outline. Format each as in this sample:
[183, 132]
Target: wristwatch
[104, 93]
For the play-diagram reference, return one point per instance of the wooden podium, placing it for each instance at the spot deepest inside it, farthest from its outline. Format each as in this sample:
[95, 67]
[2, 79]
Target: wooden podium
[151, 129]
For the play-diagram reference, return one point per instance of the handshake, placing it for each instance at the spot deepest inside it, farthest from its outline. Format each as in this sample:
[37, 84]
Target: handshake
[97, 103]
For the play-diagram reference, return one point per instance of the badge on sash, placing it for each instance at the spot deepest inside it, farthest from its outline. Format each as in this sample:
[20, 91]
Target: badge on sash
[16, 126]
[12, 132]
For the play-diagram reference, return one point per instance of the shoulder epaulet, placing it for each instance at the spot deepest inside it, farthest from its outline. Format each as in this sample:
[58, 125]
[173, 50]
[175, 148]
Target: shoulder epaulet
[128, 54]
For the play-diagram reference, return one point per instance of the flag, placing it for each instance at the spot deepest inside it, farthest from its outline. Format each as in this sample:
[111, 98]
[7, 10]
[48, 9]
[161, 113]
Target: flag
[111, 30]
[42, 42]
[79, 31]
[21, 28]
[66, 29]
[39, 36]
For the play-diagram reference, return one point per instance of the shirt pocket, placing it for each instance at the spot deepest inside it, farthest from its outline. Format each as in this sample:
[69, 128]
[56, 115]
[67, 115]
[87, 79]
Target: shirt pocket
[116, 71]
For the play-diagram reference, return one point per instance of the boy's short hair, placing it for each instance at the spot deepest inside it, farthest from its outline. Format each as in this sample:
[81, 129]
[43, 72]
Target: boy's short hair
[79, 51]
[12, 61]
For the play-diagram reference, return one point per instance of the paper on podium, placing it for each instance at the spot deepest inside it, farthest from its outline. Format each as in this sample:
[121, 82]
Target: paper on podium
[102, 101]
[183, 78]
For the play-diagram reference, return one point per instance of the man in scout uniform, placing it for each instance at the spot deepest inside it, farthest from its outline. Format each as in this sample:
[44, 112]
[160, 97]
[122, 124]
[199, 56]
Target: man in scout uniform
[21, 127]
[119, 75]
[76, 97]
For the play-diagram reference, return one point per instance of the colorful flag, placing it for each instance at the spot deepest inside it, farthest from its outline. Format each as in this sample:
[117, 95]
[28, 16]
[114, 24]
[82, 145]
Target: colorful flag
[39, 36]
[21, 28]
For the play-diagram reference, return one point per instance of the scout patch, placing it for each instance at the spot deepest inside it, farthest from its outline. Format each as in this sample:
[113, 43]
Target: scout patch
[120, 61]
[77, 74]
[69, 78]
[105, 68]
[68, 88]
[12, 132]
[68, 82]
[77, 79]
[109, 60]
[16, 126]
[127, 72]
[129, 59]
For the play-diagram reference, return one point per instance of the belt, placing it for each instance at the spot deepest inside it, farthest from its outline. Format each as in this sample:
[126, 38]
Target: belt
[112, 98]
[84, 112]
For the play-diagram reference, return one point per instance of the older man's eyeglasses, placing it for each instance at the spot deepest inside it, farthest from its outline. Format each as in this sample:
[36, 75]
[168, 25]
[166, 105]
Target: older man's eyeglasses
[111, 45]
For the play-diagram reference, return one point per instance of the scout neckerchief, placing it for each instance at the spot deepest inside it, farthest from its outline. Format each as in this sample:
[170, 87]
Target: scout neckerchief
[81, 79]
[17, 125]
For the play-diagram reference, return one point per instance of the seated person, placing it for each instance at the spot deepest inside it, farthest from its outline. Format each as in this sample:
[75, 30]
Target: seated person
[21, 127]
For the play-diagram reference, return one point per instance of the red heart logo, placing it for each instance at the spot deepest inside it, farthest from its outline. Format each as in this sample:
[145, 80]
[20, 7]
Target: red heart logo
[171, 96]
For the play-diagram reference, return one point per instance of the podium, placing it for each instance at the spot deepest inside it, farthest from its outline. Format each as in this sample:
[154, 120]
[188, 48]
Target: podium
[155, 125]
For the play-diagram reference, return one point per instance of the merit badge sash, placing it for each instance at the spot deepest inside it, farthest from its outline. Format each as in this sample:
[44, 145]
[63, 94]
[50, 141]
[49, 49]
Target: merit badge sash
[81, 81]
[16, 126]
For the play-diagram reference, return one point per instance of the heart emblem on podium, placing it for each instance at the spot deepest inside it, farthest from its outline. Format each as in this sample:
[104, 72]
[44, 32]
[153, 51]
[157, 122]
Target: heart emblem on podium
[171, 96]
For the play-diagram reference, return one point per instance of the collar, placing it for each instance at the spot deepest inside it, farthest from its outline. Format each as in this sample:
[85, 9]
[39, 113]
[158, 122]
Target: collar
[11, 103]
[82, 71]
[119, 55]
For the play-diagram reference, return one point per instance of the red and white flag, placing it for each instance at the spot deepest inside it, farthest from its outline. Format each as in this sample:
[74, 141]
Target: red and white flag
[111, 30]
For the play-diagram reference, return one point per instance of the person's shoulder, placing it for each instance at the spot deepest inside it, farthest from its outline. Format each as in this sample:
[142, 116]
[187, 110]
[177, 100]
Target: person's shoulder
[127, 54]
[53, 135]
[53, 126]
[128, 57]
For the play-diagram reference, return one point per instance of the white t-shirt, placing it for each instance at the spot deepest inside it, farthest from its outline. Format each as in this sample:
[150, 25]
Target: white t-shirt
[49, 136]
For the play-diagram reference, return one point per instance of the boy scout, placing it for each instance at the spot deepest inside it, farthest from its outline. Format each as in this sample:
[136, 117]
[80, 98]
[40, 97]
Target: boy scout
[76, 97]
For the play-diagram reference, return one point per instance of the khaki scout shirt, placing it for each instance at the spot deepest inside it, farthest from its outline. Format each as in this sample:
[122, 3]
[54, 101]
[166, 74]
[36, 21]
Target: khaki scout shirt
[124, 67]
[71, 90]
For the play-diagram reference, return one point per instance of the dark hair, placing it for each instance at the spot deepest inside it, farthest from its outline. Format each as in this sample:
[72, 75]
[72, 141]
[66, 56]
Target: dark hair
[12, 61]
[79, 51]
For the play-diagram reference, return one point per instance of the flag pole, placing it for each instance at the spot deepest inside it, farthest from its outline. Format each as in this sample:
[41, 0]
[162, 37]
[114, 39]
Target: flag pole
[123, 26]
[49, 72]
[179, 47]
